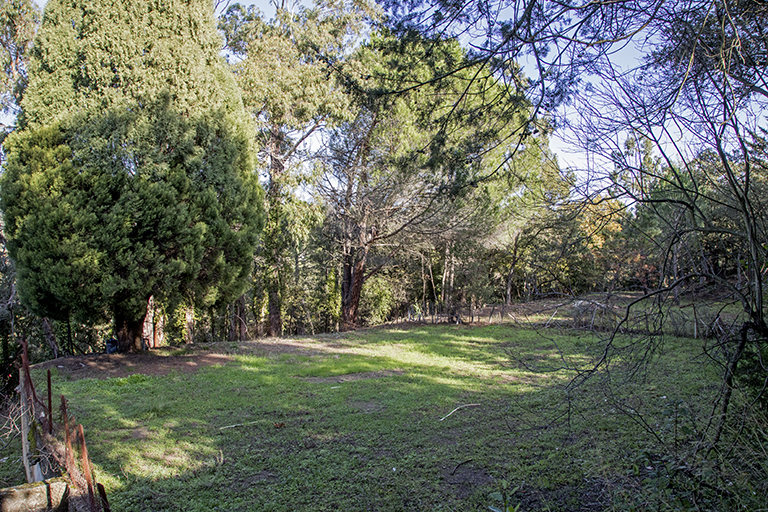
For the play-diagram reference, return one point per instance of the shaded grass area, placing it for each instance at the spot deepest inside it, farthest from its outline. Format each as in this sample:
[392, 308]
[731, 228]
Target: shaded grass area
[11, 467]
[361, 422]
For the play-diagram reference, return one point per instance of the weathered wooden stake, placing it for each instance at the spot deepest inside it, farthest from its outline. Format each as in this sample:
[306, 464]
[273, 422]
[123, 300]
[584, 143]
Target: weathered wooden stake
[87, 468]
[103, 496]
[27, 378]
[50, 405]
[69, 461]
[24, 402]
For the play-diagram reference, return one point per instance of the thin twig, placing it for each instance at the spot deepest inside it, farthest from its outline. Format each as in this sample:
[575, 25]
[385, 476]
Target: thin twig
[239, 425]
[550, 319]
[459, 407]
[459, 464]
[9, 440]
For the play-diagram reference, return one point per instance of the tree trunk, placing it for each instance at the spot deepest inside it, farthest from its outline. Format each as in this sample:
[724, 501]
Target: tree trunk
[274, 305]
[510, 278]
[238, 329]
[449, 268]
[444, 281]
[675, 290]
[352, 287]
[257, 305]
[242, 313]
[158, 329]
[511, 275]
[50, 337]
[129, 332]
[274, 238]
[189, 324]
[432, 281]
[149, 323]
[423, 282]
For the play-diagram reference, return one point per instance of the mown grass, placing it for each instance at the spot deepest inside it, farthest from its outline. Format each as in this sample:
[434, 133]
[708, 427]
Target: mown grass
[361, 422]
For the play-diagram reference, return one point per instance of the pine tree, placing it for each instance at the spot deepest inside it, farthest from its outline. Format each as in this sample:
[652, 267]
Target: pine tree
[131, 176]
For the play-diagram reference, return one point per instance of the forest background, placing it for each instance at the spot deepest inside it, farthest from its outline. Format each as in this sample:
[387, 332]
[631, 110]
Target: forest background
[406, 242]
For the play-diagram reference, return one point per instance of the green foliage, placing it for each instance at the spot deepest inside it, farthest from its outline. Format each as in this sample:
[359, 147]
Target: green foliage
[89, 57]
[132, 176]
[94, 228]
[378, 300]
[504, 499]
[439, 133]
[283, 67]
[19, 20]
[416, 165]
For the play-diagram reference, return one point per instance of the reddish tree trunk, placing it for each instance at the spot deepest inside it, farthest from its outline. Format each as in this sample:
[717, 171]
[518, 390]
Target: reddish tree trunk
[274, 239]
[352, 287]
[238, 329]
[129, 332]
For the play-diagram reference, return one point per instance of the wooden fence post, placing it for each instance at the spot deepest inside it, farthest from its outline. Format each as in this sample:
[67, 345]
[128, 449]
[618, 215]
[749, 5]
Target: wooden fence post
[87, 468]
[69, 458]
[50, 405]
[103, 496]
[24, 405]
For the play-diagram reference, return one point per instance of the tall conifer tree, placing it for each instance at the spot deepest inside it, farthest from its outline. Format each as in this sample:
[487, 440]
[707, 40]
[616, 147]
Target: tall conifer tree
[132, 174]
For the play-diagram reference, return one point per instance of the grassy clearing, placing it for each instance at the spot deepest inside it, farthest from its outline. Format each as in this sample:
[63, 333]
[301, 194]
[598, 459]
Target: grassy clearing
[361, 422]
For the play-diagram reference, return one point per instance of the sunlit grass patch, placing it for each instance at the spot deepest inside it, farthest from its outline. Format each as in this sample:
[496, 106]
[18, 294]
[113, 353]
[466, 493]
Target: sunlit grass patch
[429, 418]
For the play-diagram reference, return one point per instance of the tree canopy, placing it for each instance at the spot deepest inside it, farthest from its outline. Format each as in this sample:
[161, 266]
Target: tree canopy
[19, 20]
[415, 164]
[282, 67]
[132, 174]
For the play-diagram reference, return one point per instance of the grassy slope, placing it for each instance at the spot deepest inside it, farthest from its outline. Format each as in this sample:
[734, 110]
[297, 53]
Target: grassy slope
[307, 438]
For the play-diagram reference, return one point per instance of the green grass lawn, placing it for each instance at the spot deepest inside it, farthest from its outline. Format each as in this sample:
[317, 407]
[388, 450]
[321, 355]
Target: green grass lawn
[362, 421]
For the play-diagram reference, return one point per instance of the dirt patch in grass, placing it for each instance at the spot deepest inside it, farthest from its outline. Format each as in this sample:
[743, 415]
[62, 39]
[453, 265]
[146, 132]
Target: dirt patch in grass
[350, 377]
[103, 366]
[365, 406]
[590, 495]
[162, 361]
[464, 478]
[140, 433]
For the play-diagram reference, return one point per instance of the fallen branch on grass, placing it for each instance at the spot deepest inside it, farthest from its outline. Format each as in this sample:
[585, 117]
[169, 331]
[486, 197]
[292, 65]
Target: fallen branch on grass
[239, 425]
[459, 407]
[460, 464]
